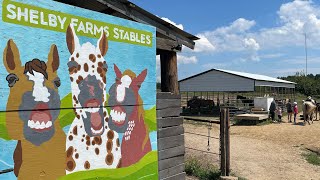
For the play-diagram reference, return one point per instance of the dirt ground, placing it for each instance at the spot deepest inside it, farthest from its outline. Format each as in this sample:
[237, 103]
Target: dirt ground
[261, 152]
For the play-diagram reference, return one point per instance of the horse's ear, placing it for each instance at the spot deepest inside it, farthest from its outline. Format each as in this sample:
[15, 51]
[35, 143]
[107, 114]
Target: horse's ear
[102, 44]
[117, 71]
[72, 39]
[53, 59]
[11, 56]
[140, 78]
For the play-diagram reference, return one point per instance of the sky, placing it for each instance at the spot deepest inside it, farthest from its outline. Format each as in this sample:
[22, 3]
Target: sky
[264, 37]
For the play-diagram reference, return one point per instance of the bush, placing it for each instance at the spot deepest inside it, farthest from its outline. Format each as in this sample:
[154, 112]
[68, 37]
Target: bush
[193, 167]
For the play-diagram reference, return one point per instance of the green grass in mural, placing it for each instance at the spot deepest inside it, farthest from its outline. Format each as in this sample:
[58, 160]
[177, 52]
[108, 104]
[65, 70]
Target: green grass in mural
[3, 129]
[146, 168]
[151, 119]
[66, 116]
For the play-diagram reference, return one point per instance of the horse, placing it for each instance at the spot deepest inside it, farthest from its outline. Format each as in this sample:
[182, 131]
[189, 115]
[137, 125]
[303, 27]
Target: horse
[308, 108]
[33, 106]
[90, 144]
[127, 115]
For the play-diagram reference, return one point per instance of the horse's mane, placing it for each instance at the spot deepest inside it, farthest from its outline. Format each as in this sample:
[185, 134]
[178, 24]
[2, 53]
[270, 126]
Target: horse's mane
[36, 65]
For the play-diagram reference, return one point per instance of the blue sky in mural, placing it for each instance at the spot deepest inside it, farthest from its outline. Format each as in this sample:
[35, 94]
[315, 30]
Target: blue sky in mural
[125, 56]
[265, 36]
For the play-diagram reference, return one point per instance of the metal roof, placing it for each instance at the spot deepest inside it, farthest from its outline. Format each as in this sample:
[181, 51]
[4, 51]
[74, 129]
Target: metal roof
[256, 77]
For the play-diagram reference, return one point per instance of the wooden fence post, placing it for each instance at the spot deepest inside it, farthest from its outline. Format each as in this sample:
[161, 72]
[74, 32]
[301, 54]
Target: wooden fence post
[222, 142]
[227, 132]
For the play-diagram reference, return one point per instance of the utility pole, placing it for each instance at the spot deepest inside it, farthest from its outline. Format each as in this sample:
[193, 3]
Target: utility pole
[305, 47]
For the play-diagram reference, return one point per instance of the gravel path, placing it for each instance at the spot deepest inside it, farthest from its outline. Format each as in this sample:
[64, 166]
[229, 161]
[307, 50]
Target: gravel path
[262, 152]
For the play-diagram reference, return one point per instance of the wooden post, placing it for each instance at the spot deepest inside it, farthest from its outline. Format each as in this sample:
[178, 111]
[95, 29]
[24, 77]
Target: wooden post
[222, 142]
[169, 72]
[227, 132]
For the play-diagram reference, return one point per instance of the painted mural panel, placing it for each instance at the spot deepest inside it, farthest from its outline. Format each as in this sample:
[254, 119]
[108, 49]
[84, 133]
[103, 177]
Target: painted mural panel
[79, 94]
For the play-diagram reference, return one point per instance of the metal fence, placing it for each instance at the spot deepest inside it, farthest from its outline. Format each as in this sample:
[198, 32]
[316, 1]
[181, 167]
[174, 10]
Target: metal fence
[221, 153]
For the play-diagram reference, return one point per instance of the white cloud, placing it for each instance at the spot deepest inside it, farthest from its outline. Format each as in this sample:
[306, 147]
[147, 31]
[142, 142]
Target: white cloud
[295, 19]
[203, 45]
[180, 26]
[251, 43]
[215, 65]
[186, 59]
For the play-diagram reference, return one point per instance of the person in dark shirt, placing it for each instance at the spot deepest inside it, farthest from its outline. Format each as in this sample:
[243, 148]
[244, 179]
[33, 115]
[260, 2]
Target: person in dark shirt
[272, 110]
[289, 111]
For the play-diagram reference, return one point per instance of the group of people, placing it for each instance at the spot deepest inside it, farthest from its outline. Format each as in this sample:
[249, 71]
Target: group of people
[291, 109]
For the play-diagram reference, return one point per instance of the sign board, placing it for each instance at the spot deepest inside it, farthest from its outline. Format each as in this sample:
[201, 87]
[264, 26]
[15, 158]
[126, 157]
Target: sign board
[78, 93]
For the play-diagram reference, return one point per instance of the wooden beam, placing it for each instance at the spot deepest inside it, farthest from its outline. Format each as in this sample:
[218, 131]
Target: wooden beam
[168, 45]
[138, 14]
[169, 72]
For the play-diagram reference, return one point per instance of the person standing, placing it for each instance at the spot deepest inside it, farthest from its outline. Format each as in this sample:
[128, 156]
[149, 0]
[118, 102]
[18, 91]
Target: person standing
[272, 110]
[295, 111]
[289, 111]
[279, 112]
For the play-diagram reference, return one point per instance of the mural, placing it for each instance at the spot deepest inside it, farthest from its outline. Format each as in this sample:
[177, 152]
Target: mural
[66, 114]
[127, 118]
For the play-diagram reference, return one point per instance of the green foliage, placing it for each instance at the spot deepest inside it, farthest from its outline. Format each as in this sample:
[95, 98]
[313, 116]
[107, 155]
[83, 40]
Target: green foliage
[158, 85]
[147, 167]
[308, 85]
[193, 167]
[312, 158]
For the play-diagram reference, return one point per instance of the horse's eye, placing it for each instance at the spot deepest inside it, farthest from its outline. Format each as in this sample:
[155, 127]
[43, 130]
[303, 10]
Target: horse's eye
[57, 82]
[72, 64]
[12, 79]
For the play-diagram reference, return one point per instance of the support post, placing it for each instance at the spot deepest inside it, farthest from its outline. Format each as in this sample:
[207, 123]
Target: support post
[222, 142]
[169, 72]
[227, 132]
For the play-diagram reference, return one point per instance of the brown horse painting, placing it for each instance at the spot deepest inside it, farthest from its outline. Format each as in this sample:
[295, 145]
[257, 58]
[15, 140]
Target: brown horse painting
[127, 115]
[40, 152]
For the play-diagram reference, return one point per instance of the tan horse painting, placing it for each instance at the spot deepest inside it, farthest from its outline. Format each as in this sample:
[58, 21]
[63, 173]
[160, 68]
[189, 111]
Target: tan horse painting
[33, 94]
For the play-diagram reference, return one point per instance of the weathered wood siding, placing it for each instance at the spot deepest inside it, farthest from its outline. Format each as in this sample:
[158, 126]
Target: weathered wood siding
[170, 137]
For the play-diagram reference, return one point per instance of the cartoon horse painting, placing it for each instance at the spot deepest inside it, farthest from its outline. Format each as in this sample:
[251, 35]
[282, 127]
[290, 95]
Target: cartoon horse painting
[34, 93]
[127, 115]
[90, 143]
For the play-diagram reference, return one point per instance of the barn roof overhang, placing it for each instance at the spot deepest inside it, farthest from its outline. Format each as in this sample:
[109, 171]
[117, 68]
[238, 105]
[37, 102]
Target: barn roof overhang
[169, 37]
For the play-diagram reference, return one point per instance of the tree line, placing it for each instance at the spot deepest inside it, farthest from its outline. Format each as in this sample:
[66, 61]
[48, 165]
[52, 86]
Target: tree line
[308, 85]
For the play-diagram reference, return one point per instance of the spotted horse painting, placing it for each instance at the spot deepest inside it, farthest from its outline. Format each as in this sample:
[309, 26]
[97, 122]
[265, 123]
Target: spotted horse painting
[90, 143]
[34, 91]
[127, 115]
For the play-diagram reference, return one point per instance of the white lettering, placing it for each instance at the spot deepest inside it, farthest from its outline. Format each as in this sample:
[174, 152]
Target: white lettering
[62, 21]
[52, 20]
[34, 16]
[148, 39]
[22, 14]
[42, 20]
[11, 9]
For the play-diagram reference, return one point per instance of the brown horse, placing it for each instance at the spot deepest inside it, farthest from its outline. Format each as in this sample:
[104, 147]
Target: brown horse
[127, 115]
[309, 110]
[40, 152]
